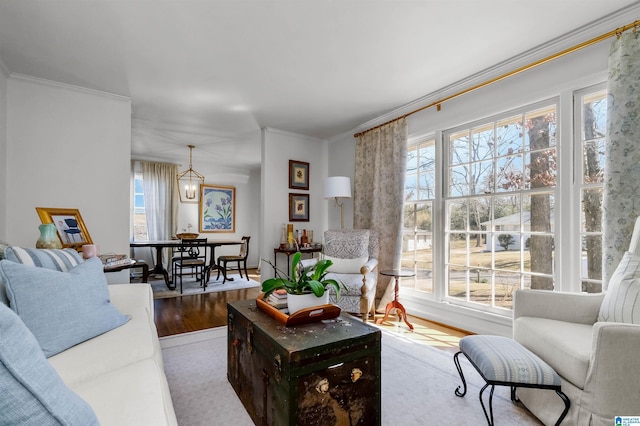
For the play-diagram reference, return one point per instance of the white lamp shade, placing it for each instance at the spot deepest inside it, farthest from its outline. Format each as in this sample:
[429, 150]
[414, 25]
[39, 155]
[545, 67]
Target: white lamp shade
[337, 186]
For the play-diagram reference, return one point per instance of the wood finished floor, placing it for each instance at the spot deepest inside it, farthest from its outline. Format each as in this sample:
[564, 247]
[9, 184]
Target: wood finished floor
[198, 312]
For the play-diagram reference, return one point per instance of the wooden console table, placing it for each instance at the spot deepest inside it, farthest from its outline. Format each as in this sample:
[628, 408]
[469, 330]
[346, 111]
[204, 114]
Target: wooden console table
[133, 265]
[289, 252]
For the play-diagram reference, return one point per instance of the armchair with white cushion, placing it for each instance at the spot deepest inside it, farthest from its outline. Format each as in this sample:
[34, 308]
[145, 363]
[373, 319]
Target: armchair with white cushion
[354, 253]
[591, 340]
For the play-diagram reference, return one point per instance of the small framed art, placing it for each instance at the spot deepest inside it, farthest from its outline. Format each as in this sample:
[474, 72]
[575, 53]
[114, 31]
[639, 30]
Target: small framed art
[299, 207]
[69, 224]
[298, 174]
[217, 208]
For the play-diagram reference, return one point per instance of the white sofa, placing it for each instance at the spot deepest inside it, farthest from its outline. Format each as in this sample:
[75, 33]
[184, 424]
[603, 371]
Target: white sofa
[591, 340]
[118, 373]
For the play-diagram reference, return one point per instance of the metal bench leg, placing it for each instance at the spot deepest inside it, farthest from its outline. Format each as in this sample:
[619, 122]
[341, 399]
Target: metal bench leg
[456, 361]
[567, 404]
[489, 415]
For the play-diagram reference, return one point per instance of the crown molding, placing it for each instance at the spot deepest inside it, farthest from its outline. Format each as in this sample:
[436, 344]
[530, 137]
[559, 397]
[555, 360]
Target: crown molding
[51, 83]
[586, 32]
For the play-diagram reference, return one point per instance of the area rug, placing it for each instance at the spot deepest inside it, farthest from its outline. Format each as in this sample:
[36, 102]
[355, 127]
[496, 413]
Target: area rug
[418, 384]
[191, 286]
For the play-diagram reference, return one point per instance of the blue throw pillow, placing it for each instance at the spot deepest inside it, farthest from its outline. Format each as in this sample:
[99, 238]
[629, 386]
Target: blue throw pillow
[58, 259]
[61, 309]
[32, 391]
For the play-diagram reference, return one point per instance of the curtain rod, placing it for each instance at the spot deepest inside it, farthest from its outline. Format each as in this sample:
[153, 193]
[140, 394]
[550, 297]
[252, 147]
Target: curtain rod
[617, 32]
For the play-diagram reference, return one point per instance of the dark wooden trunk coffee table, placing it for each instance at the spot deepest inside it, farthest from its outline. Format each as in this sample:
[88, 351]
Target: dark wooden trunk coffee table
[326, 372]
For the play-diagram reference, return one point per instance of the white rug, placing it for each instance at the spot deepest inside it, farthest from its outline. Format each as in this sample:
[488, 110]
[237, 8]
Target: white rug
[191, 286]
[418, 384]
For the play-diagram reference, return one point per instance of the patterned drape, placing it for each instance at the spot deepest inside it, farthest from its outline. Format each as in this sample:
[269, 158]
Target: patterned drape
[622, 156]
[380, 165]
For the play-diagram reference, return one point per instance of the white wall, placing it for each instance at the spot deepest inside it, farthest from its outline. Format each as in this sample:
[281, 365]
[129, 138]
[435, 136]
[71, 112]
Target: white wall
[4, 74]
[278, 148]
[341, 152]
[68, 148]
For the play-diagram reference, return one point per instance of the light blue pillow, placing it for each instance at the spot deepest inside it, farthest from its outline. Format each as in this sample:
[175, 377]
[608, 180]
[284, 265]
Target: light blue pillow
[32, 391]
[61, 309]
[57, 259]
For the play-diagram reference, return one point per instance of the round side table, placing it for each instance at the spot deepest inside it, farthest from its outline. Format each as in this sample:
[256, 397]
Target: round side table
[402, 313]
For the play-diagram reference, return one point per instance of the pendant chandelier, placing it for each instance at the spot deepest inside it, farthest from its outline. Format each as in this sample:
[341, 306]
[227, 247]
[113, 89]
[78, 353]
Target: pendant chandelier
[189, 182]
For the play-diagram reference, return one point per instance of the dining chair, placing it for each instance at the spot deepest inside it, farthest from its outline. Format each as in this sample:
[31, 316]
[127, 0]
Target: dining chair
[239, 258]
[192, 254]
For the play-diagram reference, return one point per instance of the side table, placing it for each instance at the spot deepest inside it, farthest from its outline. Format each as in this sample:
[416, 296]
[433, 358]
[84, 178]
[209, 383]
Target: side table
[134, 264]
[289, 252]
[402, 313]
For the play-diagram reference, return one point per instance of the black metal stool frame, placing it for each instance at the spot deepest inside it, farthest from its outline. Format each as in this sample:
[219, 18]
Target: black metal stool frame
[513, 386]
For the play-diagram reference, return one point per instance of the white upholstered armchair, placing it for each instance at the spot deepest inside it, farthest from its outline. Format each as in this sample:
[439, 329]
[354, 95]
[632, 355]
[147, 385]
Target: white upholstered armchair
[591, 340]
[354, 253]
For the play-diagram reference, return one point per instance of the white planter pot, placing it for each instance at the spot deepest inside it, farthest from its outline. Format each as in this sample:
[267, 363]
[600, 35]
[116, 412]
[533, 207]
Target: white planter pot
[296, 302]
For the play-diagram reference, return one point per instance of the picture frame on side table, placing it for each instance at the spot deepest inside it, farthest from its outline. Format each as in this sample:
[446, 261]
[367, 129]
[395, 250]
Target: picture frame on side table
[217, 208]
[299, 207]
[69, 224]
[298, 175]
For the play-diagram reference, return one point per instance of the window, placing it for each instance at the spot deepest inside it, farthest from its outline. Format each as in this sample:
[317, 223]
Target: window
[139, 214]
[491, 225]
[592, 119]
[417, 235]
[499, 206]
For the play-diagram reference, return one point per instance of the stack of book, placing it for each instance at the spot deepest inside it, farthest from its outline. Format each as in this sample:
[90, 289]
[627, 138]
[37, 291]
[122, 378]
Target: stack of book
[113, 260]
[278, 299]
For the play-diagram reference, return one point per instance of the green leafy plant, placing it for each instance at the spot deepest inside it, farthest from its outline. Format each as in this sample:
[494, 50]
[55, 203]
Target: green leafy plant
[303, 279]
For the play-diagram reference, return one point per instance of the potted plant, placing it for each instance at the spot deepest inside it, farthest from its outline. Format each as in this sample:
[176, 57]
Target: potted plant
[305, 287]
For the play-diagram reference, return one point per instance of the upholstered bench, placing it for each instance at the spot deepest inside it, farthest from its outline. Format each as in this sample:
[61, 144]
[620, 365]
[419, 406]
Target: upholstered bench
[502, 361]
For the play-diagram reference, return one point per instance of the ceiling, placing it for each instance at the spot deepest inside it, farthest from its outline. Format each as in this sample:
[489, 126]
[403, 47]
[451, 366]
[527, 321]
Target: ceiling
[214, 72]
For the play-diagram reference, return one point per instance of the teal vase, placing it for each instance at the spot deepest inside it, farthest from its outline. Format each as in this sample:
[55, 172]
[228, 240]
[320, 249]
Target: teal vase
[48, 238]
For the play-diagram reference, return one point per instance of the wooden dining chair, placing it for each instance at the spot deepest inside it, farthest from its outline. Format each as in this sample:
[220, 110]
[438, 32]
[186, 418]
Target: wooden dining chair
[192, 255]
[239, 258]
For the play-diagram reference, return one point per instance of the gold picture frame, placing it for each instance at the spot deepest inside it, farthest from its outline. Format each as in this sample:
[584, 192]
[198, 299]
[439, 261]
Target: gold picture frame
[69, 224]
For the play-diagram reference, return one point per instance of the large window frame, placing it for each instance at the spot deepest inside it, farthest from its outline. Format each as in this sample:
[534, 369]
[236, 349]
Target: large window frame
[568, 234]
[496, 170]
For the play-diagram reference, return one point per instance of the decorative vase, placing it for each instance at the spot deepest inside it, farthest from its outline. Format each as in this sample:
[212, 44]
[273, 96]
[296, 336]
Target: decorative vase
[296, 302]
[48, 238]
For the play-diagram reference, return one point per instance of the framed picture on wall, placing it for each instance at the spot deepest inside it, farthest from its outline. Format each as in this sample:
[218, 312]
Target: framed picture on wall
[217, 208]
[69, 224]
[298, 174]
[299, 207]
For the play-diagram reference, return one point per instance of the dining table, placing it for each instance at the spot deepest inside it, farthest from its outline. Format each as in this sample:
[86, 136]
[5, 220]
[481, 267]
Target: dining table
[160, 245]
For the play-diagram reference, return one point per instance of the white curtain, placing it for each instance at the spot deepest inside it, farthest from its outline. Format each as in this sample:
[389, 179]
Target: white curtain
[160, 201]
[622, 154]
[380, 165]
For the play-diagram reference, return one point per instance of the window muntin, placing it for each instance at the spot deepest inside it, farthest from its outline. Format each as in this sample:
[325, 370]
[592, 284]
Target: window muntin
[591, 115]
[139, 213]
[501, 176]
[417, 235]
